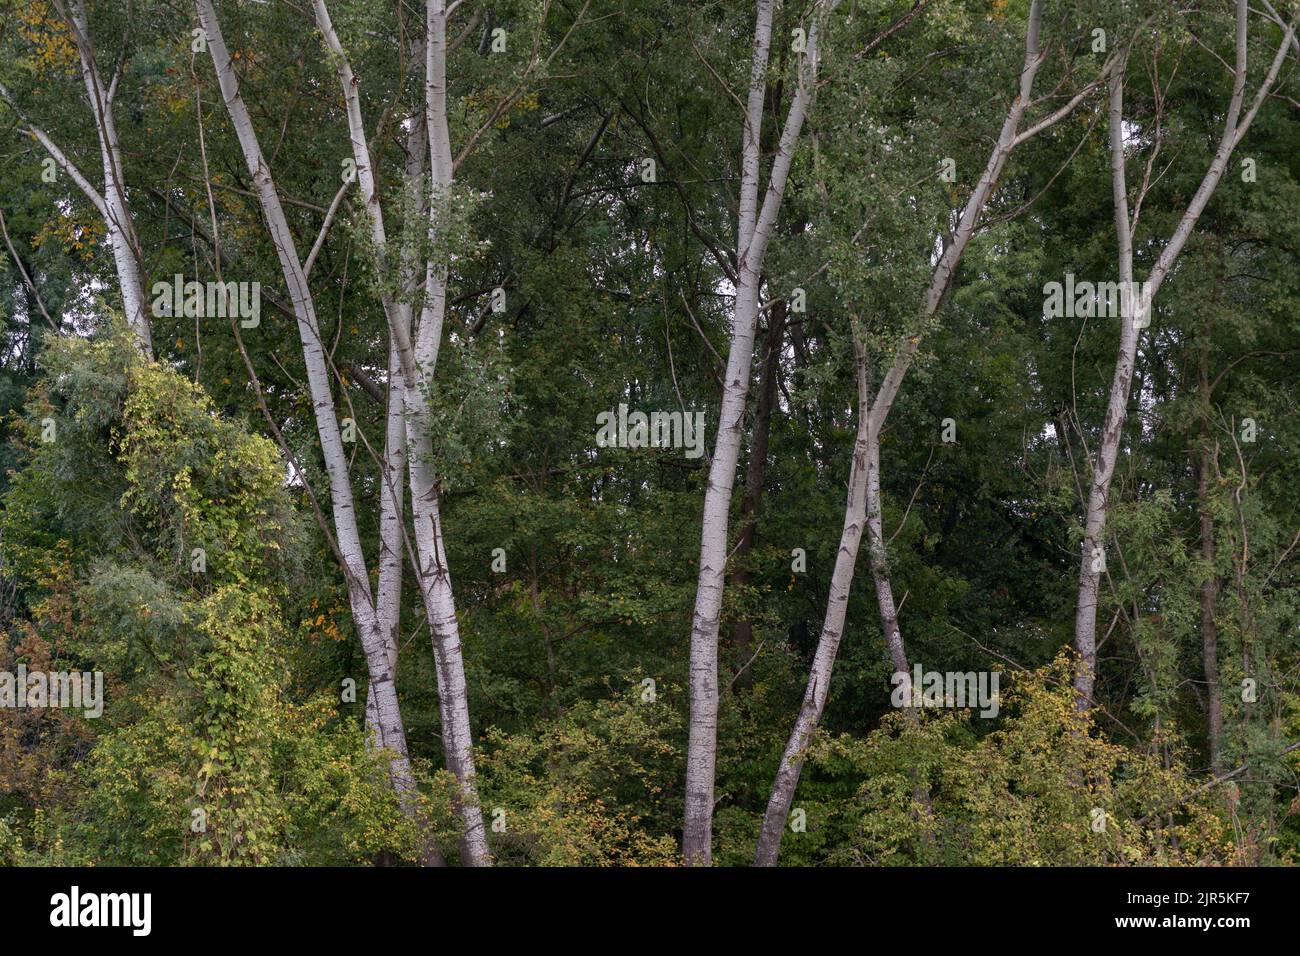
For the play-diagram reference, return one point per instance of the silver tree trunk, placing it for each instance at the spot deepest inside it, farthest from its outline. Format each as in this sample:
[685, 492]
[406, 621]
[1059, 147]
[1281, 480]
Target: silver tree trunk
[388, 723]
[417, 363]
[864, 501]
[754, 231]
[1234, 128]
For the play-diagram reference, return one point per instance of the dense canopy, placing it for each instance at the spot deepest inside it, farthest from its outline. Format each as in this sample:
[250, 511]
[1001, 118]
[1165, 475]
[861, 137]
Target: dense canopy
[644, 432]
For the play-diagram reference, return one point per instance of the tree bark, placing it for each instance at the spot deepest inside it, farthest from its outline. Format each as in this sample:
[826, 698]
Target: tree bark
[112, 203]
[392, 536]
[392, 488]
[880, 562]
[819, 679]
[754, 230]
[946, 268]
[1234, 128]
[389, 729]
[417, 363]
[121, 228]
[864, 504]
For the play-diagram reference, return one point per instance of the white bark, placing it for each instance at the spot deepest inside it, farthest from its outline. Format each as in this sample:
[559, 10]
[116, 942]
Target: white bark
[388, 725]
[941, 278]
[111, 203]
[880, 561]
[819, 679]
[392, 495]
[59, 157]
[434, 573]
[864, 500]
[754, 231]
[416, 364]
[121, 227]
[392, 467]
[1234, 128]
[392, 537]
[392, 477]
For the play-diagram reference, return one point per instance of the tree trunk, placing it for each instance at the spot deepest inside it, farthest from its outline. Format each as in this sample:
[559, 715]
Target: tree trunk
[112, 204]
[418, 366]
[392, 478]
[880, 562]
[388, 723]
[1093, 546]
[819, 679]
[416, 363]
[1234, 128]
[864, 480]
[753, 233]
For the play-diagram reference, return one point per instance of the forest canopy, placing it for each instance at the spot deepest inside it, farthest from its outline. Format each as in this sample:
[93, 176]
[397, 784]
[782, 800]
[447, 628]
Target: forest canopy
[649, 432]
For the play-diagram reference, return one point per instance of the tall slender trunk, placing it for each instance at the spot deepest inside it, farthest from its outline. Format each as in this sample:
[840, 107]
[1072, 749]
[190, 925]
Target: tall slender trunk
[1234, 128]
[417, 363]
[388, 725]
[130, 277]
[393, 468]
[819, 679]
[392, 488]
[864, 479]
[889, 613]
[1093, 547]
[754, 230]
[112, 203]
[880, 562]
[127, 256]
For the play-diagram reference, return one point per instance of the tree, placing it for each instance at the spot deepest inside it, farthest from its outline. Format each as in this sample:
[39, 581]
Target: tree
[753, 233]
[1136, 308]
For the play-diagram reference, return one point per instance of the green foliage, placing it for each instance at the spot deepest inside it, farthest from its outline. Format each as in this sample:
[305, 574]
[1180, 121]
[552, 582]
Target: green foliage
[1034, 792]
[121, 477]
[203, 756]
[595, 788]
